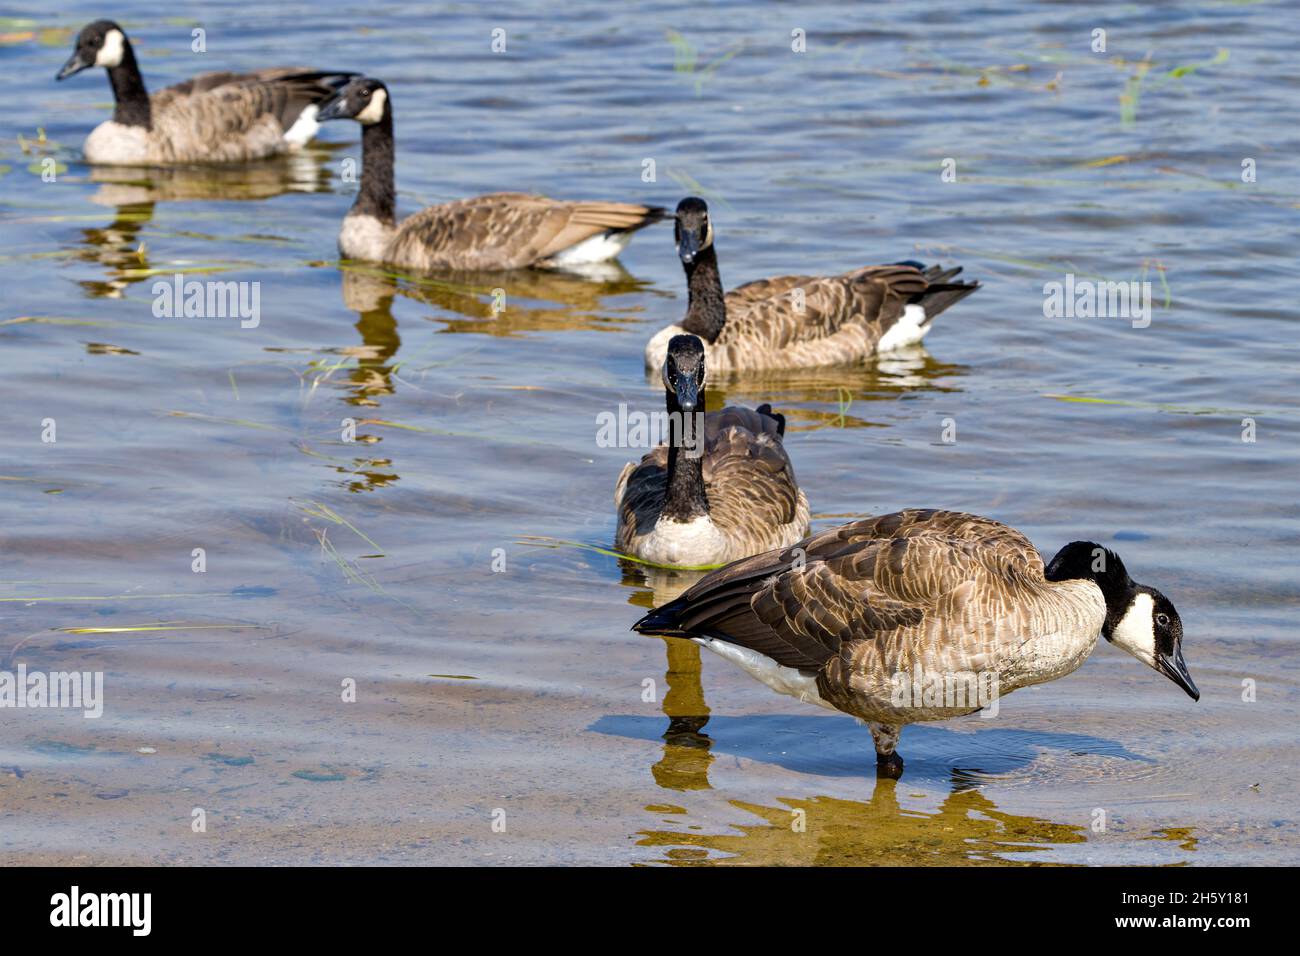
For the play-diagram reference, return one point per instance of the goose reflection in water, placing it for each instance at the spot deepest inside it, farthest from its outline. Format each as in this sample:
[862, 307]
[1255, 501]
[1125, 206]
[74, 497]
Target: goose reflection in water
[516, 302]
[833, 396]
[686, 755]
[966, 829]
[371, 298]
[134, 192]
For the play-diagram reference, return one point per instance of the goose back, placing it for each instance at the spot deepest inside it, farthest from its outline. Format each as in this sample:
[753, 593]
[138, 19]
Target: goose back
[915, 591]
[506, 230]
[220, 117]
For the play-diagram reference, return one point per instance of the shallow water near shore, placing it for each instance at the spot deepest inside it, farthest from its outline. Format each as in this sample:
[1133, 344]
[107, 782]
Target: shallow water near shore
[449, 563]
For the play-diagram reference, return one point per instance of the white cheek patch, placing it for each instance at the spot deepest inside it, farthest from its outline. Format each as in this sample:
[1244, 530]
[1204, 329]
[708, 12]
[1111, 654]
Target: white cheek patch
[374, 110]
[110, 54]
[1136, 630]
[708, 236]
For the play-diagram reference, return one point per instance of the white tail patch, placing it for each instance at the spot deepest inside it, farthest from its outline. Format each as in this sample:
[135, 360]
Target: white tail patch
[599, 248]
[304, 127]
[908, 330]
[783, 680]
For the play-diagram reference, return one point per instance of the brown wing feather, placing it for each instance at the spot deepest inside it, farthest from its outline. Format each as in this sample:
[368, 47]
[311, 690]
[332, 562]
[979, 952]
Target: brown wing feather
[505, 230]
[871, 299]
[748, 476]
[234, 116]
[818, 600]
[742, 296]
[640, 496]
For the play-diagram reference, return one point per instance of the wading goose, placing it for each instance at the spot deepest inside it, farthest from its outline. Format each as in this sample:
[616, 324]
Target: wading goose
[921, 615]
[212, 118]
[711, 494]
[800, 321]
[494, 232]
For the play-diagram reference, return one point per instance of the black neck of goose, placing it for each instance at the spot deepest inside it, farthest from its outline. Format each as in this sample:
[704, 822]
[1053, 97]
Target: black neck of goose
[1089, 561]
[377, 196]
[128, 91]
[706, 310]
[686, 499]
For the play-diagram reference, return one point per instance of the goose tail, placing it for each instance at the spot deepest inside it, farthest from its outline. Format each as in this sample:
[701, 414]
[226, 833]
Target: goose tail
[651, 215]
[942, 291]
[663, 621]
[766, 411]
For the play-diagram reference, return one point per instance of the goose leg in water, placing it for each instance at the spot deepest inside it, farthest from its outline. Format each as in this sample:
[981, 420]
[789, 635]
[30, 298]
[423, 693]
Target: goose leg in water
[888, 762]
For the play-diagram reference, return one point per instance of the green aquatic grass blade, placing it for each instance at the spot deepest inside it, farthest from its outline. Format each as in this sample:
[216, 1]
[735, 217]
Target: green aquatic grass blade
[351, 571]
[242, 422]
[476, 436]
[102, 597]
[319, 510]
[684, 54]
[161, 626]
[52, 320]
[1156, 406]
[542, 541]
[694, 187]
[1188, 69]
[183, 269]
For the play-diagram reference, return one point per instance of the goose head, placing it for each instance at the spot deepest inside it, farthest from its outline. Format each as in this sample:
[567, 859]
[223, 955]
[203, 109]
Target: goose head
[692, 229]
[101, 43]
[683, 372]
[1139, 619]
[364, 100]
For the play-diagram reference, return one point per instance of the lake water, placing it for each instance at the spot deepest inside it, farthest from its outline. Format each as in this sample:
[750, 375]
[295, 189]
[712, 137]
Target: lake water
[519, 697]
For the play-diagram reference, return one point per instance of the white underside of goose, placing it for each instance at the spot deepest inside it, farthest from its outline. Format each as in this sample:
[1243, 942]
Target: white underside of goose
[363, 237]
[684, 543]
[908, 330]
[783, 680]
[114, 144]
[303, 128]
[601, 248]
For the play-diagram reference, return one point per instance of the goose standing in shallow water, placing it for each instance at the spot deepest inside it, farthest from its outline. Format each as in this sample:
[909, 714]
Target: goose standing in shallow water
[711, 494]
[493, 232]
[212, 118]
[859, 618]
[801, 321]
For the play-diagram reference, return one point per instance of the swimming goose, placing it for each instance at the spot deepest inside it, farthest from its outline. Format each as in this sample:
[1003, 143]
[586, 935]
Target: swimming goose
[212, 118]
[891, 618]
[493, 232]
[800, 321]
[689, 504]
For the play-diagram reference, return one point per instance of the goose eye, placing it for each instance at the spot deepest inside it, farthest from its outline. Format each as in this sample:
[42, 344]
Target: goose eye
[1162, 620]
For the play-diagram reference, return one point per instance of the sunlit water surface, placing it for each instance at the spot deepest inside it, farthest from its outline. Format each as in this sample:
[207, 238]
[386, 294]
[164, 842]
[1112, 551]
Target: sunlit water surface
[519, 697]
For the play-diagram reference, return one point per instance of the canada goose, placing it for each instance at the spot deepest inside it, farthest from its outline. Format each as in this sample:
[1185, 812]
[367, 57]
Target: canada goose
[689, 504]
[212, 118]
[857, 618]
[493, 232]
[800, 321]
